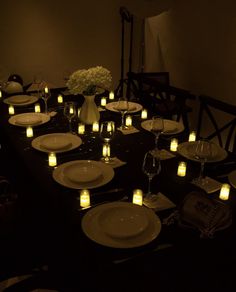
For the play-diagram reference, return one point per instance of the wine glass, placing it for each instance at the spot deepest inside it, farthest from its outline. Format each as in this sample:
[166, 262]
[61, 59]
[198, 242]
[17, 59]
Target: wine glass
[151, 167]
[157, 127]
[202, 152]
[107, 131]
[123, 107]
[70, 113]
[45, 95]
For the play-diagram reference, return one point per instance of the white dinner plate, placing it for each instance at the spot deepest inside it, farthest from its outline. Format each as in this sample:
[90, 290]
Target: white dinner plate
[121, 225]
[170, 127]
[29, 119]
[133, 107]
[68, 174]
[56, 142]
[20, 100]
[187, 149]
[232, 178]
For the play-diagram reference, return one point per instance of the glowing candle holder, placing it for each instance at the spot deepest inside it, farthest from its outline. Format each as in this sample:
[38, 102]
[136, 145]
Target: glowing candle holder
[46, 89]
[95, 127]
[182, 169]
[81, 128]
[0, 94]
[224, 192]
[71, 110]
[37, 108]
[174, 144]
[106, 151]
[138, 197]
[84, 198]
[192, 136]
[144, 114]
[60, 98]
[103, 101]
[52, 159]
[29, 132]
[128, 121]
[11, 110]
[111, 95]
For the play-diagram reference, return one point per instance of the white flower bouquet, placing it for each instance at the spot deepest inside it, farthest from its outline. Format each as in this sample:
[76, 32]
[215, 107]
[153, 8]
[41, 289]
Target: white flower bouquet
[89, 82]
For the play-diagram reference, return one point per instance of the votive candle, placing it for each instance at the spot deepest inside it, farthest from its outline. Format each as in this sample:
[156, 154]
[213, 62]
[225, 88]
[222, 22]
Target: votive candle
[106, 150]
[144, 114]
[138, 197]
[224, 192]
[37, 108]
[95, 127]
[81, 128]
[60, 98]
[84, 198]
[11, 110]
[0, 94]
[52, 159]
[173, 144]
[103, 101]
[192, 136]
[46, 89]
[29, 132]
[128, 121]
[111, 95]
[182, 169]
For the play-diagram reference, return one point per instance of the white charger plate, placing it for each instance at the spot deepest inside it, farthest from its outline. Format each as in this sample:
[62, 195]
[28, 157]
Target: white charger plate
[42, 143]
[60, 174]
[20, 100]
[187, 149]
[170, 127]
[96, 225]
[29, 119]
[232, 178]
[134, 107]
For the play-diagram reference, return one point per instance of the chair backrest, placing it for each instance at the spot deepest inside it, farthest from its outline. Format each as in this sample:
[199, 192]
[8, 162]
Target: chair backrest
[217, 120]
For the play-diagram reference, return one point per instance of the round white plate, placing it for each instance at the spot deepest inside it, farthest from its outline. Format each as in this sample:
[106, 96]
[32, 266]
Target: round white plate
[134, 107]
[133, 225]
[187, 149]
[56, 142]
[170, 127]
[232, 178]
[29, 119]
[62, 174]
[20, 100]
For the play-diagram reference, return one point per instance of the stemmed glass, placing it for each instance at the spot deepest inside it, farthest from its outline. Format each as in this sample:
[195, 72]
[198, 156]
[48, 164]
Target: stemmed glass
[203, 151]
[151, 167]
[123, 107]
[107, 131]
[157, 127]
[70, 113]
[45, 94]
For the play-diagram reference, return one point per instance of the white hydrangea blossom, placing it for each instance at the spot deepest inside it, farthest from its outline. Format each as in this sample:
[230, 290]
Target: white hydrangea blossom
[89, 82]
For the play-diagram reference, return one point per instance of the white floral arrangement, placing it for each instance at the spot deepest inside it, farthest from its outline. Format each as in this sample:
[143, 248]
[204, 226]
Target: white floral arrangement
[90, 82]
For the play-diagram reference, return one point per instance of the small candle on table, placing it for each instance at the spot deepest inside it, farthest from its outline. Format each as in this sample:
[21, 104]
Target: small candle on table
[192, 136]
[60, 98]
[144, 114]
[84, 198]
[95, 127]
[81, 128]
[103, 101]
[37, 108]
[182, 169]
[52, 159]
[224, 192]
[11, 110]
[46, 89]
[106, 150]
[128, 121]
[174, 144]
[111, 95]
[138, 197]
[29, 132]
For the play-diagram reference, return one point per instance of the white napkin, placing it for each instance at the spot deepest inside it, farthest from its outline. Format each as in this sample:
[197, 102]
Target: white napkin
[163, 154]
[116, 162]
[211, 186]
[129, 130]
[159, 202]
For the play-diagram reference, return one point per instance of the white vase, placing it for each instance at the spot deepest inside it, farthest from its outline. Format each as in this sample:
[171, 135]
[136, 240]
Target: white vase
[89, 112]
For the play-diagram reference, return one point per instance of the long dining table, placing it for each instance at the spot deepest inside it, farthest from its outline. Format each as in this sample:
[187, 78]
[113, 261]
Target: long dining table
[177, 259]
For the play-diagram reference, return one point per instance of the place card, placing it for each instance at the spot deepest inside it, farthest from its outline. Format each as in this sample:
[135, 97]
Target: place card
[129, 130]
[210, 186]
[159, 202]
[163, 154]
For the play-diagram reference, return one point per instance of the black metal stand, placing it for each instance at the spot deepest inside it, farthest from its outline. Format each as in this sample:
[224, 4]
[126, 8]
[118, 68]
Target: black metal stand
[125, 16]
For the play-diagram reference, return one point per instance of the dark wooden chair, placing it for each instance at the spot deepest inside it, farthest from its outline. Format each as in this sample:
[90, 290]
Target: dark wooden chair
[217, 120]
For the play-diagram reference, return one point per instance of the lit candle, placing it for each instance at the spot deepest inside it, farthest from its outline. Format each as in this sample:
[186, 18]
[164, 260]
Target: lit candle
[95, 127]
[81, 128]
[144, 114]
[29, 132]
[128, 121]
[0, 94]
[103, 101]
[192, 136]
[138, 197]
[11, 110]
[52, 159]
[111, 95]
[110, 126]
[224, 192]
[106, 150]
[46, 89]
[84, 198]
[181, 169]
[71, 109]
[173, 144]
[60, 98]
[37, 108]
